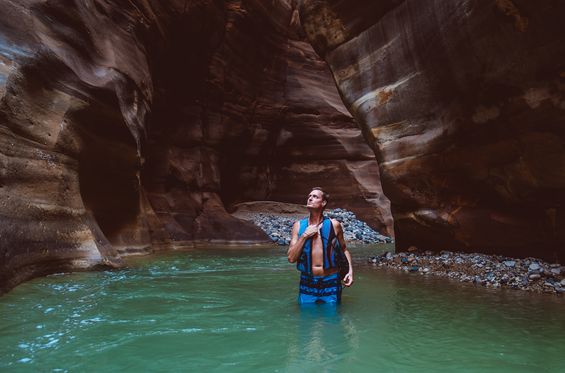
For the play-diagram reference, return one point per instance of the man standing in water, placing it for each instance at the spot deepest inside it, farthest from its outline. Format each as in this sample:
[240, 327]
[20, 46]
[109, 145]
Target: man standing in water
[318, 248]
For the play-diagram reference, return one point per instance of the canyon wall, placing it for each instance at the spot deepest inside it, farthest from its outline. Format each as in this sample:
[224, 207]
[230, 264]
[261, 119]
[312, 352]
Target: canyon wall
[132, 127]
[463, 103]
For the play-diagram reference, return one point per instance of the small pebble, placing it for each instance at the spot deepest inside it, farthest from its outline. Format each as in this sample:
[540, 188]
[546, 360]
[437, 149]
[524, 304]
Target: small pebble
[510, 263]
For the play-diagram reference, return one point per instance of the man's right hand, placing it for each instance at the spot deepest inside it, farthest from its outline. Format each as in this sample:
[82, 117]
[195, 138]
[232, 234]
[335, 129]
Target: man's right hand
[312, 230]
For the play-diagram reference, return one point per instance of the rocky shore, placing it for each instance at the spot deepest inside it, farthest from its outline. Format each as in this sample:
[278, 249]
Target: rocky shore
[276, 220]
[279, 228]
[492, 271]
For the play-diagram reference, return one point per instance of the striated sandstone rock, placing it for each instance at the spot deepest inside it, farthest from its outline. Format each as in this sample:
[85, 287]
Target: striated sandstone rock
[464, 105]
[128, 127]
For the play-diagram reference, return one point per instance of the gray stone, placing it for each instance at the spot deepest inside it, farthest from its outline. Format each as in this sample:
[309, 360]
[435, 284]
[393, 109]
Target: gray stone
[509, 263]
[534, 267]
[534, 276]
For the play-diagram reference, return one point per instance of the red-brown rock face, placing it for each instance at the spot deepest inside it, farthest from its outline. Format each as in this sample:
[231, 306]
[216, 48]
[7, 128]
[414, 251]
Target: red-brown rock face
[129, 127]
[463, 102]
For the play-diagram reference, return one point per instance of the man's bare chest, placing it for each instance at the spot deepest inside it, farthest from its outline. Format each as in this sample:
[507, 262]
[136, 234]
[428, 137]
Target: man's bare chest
[317, 248]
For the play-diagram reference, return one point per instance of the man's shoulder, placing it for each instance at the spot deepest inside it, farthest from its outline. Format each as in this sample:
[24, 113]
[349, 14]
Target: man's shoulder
[336, 223]
[299, 221]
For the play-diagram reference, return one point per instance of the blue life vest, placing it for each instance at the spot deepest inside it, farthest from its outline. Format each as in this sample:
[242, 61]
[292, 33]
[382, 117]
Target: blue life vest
[330, 244]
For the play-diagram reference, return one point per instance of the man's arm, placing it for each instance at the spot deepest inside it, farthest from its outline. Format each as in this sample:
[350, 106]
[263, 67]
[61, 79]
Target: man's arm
[297, 243]
[348, 279]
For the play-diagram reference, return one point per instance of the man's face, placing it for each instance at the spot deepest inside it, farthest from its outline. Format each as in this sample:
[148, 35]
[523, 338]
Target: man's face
[316, 199]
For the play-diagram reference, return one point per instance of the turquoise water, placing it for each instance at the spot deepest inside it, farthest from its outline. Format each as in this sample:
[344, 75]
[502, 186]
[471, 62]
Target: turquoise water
[235, 311]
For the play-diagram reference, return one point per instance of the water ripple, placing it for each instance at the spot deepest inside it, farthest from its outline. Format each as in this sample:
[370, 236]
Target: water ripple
[212, 311]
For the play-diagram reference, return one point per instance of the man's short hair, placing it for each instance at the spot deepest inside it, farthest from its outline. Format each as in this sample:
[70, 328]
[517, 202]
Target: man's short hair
[325, 196]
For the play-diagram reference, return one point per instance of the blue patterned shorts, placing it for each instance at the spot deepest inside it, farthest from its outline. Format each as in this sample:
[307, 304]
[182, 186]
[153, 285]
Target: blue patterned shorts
[319, 289]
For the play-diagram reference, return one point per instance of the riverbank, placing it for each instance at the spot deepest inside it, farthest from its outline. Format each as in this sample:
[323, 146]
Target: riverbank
[276, 220]
[529, 274]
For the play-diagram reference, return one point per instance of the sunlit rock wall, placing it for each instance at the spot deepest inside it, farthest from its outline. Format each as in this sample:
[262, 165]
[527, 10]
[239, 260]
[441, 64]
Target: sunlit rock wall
[463, 103]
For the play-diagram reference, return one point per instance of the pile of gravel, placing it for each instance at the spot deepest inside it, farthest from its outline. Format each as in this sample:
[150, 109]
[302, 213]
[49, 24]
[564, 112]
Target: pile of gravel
[279, 228]
[355, 230]
[481, 269]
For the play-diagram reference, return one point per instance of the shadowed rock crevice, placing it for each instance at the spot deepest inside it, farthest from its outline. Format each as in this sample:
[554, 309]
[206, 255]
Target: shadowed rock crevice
[108, 168]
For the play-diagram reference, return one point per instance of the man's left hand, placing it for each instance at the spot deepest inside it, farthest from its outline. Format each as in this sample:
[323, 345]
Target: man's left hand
[348, 279]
